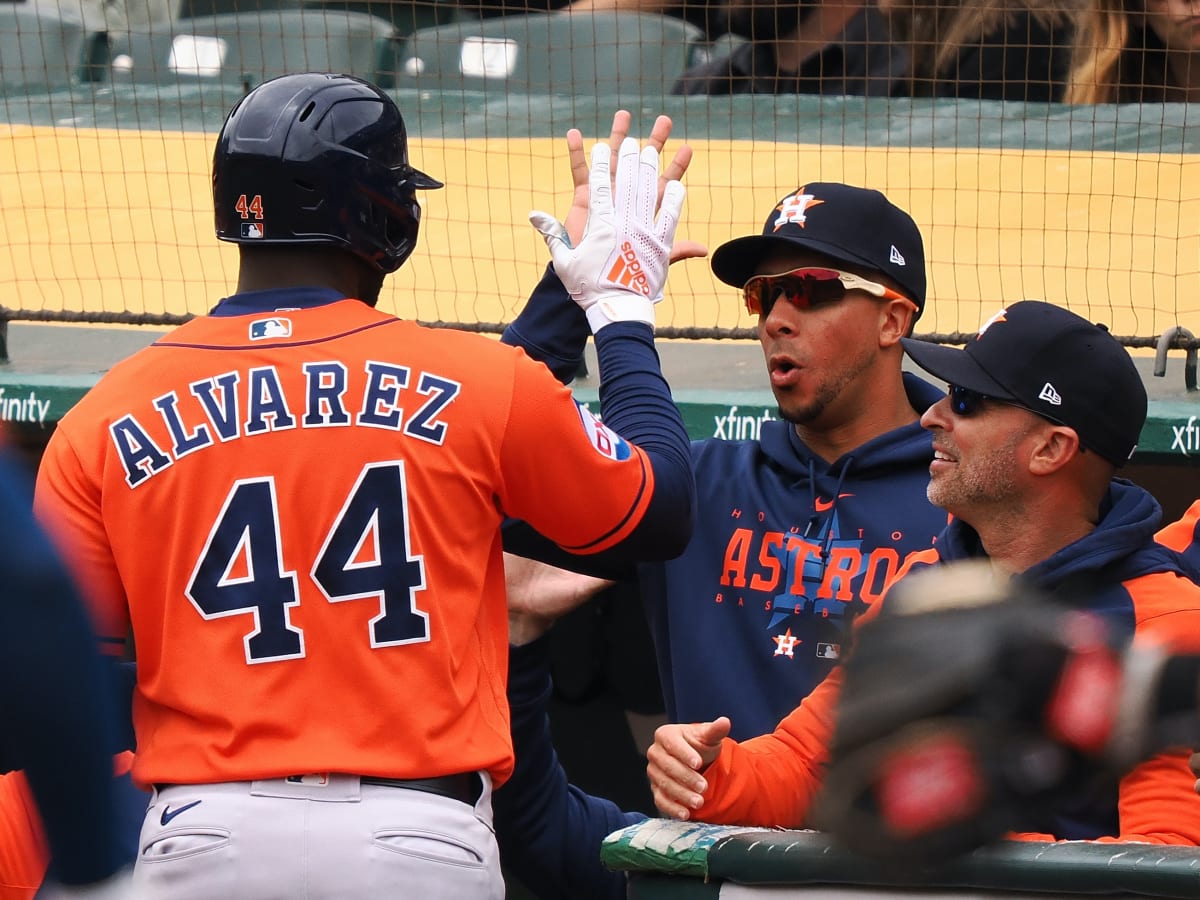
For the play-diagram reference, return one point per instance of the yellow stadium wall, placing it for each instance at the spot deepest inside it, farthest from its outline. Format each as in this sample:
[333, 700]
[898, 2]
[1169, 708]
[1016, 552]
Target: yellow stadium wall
[120, 220]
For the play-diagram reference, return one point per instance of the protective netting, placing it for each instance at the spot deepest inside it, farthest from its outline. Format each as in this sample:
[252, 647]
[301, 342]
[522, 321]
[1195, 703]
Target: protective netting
[1046, 150]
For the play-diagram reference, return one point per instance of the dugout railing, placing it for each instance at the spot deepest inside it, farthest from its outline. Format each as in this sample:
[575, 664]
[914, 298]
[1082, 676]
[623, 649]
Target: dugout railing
[669, 860]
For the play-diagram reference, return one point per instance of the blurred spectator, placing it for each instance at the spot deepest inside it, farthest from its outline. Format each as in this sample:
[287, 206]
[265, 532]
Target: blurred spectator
[827, 47]
[984, 49]
[972, 49]
[1136, 51]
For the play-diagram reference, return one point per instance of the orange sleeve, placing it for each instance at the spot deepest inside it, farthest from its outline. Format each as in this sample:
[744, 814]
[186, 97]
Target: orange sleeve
[1181, 533]
[1158, 802]
[1030, 836]
[922, 560]
[1157, 805]
[601, 484]
[771, 780]
[23, 850]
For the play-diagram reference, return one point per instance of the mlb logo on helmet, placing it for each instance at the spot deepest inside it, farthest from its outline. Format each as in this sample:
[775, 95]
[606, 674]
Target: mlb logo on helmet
[252, 229]
[260, 329]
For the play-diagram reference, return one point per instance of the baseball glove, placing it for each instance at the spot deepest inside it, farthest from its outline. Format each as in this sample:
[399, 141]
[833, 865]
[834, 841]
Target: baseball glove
[970, 706]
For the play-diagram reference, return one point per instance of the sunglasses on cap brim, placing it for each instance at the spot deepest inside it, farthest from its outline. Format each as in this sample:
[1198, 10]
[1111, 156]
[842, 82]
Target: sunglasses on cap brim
[808, 287]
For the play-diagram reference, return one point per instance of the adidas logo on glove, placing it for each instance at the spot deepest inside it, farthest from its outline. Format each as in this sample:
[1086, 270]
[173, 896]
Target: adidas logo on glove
[627, 271]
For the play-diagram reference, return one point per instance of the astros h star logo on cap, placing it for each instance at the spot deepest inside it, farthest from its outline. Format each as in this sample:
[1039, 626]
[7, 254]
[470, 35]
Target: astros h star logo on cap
[793, 207]
[998, 317]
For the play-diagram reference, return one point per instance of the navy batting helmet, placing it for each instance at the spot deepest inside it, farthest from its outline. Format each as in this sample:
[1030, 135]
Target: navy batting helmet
[318, 159]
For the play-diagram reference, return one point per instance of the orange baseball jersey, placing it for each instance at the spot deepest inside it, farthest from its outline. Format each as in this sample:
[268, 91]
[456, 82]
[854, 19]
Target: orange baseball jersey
[773, 779]
[298, 512]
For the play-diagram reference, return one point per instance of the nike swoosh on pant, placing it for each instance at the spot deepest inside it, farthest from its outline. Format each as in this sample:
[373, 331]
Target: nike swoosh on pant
[168, 814]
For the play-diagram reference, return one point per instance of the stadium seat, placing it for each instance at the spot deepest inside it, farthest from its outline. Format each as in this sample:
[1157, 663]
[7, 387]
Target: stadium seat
[551, 53]
[250, 47]
[39, 50]
[721, 46]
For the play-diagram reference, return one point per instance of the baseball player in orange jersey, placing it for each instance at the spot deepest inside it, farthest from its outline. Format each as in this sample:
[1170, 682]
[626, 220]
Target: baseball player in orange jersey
[295, 502]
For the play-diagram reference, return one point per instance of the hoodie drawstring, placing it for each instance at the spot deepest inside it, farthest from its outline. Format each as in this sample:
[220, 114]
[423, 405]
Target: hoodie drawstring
[812, 498]
[827, 537]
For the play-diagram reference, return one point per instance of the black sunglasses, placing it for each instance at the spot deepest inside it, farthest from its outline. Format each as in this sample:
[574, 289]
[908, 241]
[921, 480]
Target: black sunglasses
[965, 402]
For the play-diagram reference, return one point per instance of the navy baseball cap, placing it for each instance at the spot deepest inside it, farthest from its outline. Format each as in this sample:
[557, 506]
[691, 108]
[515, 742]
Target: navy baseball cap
[856, 226]
[1055, 363]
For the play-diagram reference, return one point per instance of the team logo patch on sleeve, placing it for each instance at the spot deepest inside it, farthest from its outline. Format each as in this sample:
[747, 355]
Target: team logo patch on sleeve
[275, 327]
[603, 438]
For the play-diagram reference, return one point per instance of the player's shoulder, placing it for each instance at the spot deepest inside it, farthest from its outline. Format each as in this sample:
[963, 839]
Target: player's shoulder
[117, 379]
[468, 346]
[1181, 533]
[1167, 603]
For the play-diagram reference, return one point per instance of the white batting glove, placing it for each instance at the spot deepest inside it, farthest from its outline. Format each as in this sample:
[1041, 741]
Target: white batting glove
[618, 271]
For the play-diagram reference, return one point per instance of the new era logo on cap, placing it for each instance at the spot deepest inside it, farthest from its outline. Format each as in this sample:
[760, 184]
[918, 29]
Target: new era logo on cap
[1050, 395]
[896, 256]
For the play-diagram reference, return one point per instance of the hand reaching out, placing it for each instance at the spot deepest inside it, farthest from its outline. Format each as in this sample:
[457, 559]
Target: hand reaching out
[675, 761]
[617, 271]
[646, 209]
[539, 593]
[576, 218]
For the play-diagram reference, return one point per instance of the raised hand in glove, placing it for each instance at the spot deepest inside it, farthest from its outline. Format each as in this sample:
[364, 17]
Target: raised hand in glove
[618, 270]
[973, 707]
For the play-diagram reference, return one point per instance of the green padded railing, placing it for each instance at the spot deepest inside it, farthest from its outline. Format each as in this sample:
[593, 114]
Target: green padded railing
[697, 857]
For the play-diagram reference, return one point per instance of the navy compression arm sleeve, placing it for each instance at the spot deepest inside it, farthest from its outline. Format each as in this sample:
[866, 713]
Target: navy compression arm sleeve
[636, 403]
[551, 328]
